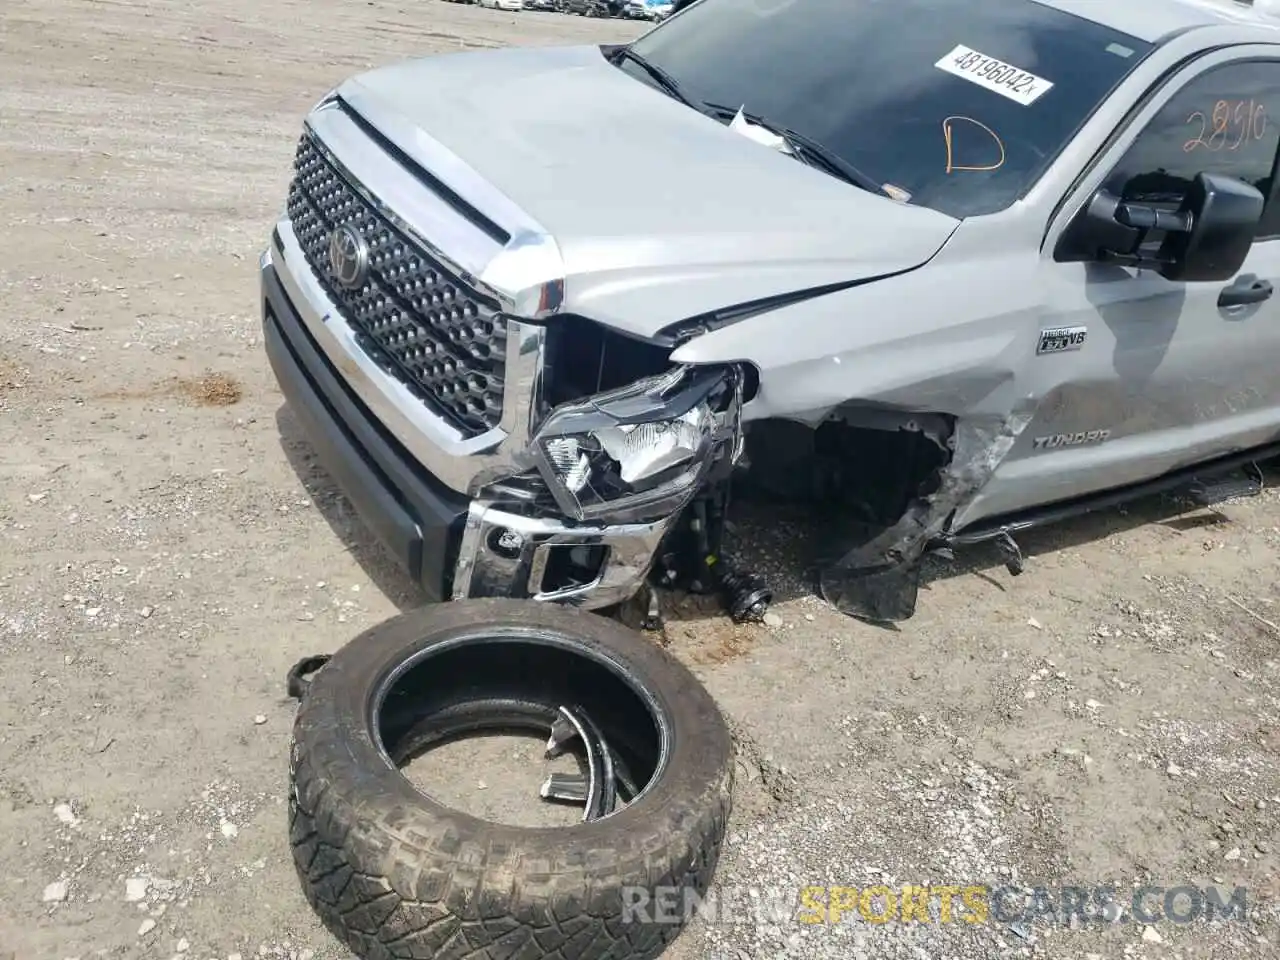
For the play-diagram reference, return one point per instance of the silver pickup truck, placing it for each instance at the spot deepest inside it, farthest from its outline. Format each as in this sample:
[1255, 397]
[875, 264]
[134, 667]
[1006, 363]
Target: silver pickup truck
[948, 268]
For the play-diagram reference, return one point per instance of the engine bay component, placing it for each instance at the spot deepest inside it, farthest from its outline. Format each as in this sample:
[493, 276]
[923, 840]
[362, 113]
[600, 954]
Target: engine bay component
[694, 561]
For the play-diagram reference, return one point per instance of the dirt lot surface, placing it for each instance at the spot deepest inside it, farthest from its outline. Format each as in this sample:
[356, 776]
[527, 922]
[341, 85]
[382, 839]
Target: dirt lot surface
[168, 550]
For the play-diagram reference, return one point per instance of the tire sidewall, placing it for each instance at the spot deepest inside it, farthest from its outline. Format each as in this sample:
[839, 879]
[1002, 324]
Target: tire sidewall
[333, 732]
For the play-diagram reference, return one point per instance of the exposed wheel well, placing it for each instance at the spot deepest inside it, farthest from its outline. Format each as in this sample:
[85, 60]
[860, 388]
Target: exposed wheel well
[872, 463]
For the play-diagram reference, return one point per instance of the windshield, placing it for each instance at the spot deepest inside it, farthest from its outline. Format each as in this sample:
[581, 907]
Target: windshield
[958, 105]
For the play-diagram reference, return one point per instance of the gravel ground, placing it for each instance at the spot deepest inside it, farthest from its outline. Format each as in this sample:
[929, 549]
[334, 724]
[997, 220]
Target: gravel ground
[168, 550]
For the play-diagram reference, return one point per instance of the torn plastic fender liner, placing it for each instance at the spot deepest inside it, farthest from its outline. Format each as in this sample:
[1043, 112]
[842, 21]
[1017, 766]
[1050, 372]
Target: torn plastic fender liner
[878, 580]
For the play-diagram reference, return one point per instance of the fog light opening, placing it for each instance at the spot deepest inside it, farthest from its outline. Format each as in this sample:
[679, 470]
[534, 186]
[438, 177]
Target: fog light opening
[572, 565]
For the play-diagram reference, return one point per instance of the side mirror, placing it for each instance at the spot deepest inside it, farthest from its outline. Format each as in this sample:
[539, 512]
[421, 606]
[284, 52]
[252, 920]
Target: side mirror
[1206, 239]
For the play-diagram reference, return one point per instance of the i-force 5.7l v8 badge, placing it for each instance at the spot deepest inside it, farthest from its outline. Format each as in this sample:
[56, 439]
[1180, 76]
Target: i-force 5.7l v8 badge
[1061, 339]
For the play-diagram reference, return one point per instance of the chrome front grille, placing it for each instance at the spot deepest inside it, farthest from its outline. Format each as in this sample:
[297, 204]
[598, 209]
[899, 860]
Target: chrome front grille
[425, 327]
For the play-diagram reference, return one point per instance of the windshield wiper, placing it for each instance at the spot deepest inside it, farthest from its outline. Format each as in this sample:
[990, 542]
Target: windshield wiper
[805, 149]
[667, 82]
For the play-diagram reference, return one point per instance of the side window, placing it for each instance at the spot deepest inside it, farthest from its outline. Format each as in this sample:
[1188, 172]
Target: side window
[1225, 121]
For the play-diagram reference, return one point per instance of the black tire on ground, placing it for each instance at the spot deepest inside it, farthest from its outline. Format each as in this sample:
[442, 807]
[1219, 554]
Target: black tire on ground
[394, 874]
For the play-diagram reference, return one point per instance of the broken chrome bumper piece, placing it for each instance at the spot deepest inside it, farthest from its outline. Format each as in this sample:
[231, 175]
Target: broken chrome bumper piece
[609, 476]
[506, 555]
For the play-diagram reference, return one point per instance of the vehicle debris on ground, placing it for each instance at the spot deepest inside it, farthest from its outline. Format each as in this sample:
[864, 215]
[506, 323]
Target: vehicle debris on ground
[393, 872]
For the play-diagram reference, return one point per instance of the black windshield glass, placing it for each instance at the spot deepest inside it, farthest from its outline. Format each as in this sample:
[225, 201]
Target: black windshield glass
[957, 104]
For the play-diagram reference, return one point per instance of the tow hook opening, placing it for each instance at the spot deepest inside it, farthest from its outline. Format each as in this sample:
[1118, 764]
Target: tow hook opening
[505, 542]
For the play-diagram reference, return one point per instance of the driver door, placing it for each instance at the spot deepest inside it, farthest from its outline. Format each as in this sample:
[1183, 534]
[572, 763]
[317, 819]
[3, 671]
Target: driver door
[1138, 375]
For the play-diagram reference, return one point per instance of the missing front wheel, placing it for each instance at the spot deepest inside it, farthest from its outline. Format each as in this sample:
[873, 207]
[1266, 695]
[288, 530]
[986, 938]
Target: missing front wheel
[692, 560]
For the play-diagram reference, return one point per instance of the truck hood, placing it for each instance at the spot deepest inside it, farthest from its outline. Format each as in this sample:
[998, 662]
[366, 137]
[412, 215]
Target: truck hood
[659, 212]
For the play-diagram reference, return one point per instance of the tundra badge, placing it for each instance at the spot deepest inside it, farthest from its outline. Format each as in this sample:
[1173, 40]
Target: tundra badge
[1055, 440]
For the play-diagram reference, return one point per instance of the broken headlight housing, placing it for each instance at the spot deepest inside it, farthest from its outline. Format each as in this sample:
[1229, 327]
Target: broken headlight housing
[641, 451]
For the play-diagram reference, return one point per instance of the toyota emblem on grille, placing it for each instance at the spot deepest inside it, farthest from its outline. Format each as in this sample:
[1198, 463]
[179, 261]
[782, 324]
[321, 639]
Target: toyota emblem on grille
[348, 256]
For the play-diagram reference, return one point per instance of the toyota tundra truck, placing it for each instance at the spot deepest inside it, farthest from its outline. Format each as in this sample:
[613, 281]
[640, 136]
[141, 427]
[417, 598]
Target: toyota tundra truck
[944, 269]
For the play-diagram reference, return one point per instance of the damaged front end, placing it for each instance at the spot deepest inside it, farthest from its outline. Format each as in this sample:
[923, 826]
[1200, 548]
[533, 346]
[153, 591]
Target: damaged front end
[607, 478]
[624, 482]
[628, 487]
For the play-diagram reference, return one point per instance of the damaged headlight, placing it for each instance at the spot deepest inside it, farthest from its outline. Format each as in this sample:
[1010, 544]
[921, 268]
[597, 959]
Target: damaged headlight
[640, 451]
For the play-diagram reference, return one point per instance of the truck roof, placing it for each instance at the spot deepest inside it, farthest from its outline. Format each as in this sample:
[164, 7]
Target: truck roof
[1152, 20]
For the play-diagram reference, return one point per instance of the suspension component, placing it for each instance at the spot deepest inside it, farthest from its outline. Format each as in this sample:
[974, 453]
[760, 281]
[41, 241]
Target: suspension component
[746, 596]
